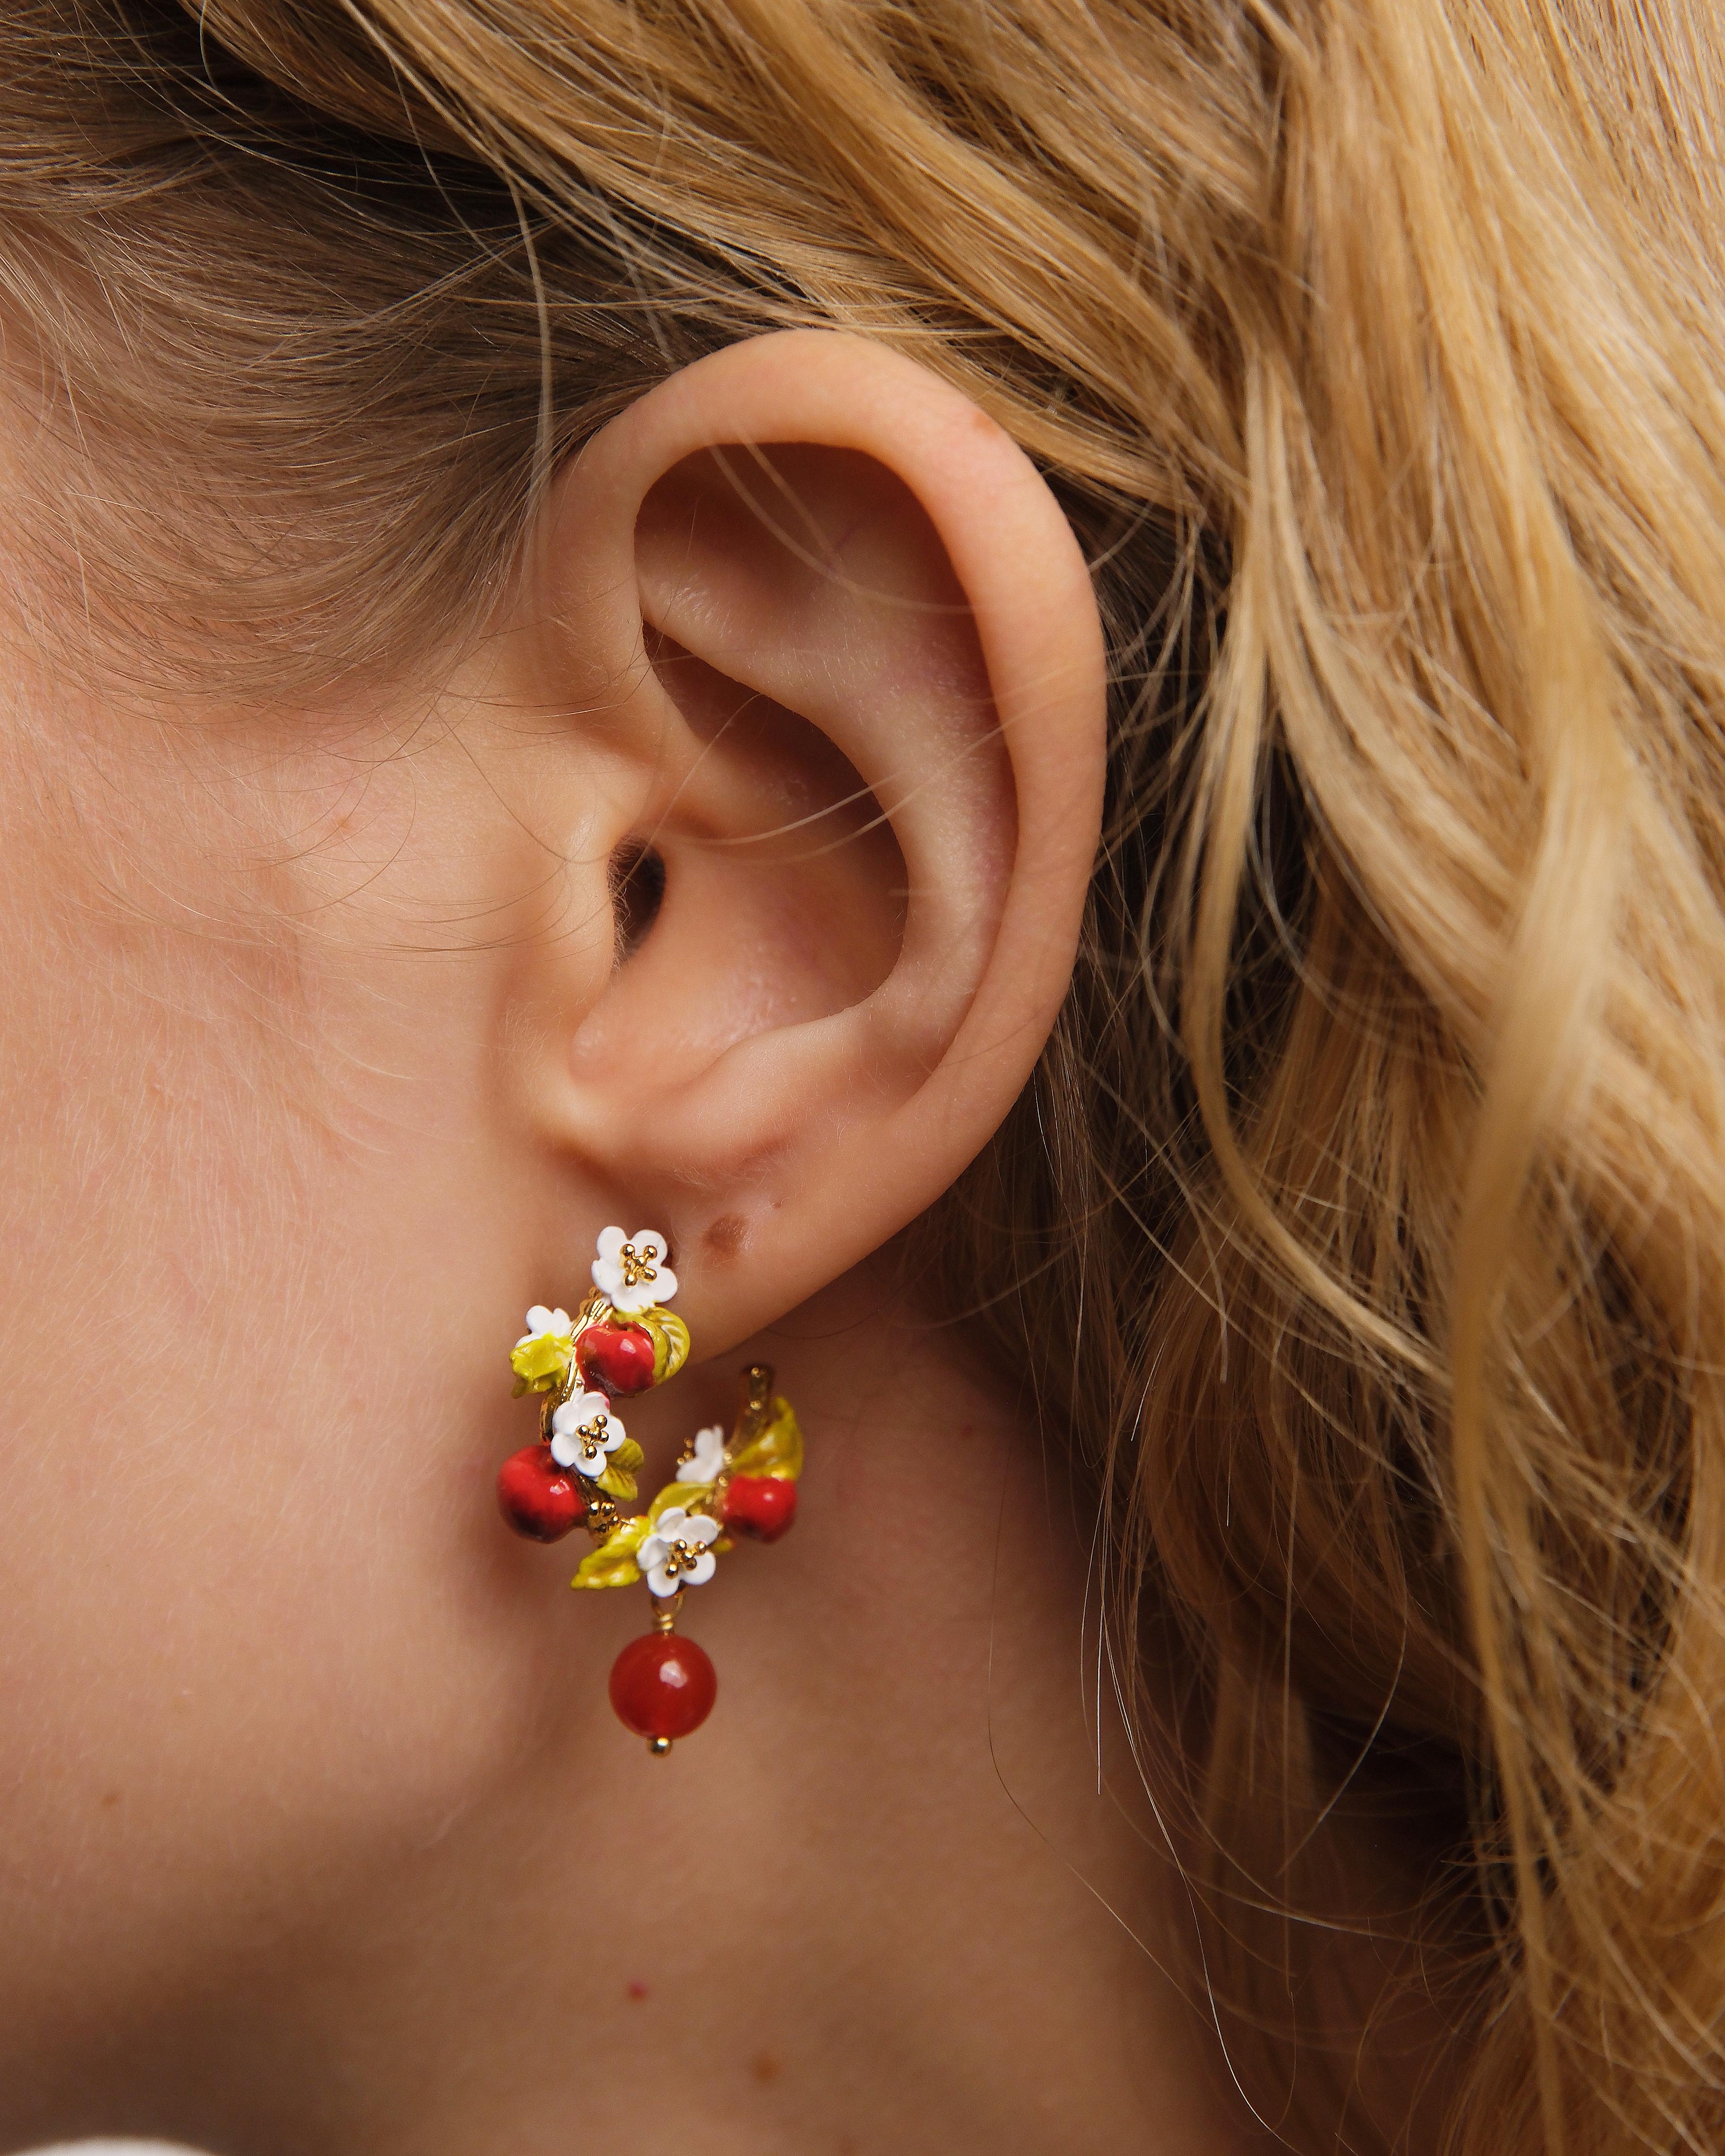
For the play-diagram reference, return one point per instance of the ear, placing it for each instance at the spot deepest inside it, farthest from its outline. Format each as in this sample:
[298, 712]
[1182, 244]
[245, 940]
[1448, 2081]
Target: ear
[834, 648]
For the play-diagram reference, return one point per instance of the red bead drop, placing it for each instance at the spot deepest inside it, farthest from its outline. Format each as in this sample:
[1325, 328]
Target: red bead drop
[536, 1497]
[662, 1687]
[762, 1507]
[618, 1358]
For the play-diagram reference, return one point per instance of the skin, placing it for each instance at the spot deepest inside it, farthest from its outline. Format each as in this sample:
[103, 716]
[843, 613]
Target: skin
[316, 1829]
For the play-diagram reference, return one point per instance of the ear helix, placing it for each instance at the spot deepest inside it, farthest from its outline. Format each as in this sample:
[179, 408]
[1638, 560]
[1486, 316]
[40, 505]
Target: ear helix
[620, 1342]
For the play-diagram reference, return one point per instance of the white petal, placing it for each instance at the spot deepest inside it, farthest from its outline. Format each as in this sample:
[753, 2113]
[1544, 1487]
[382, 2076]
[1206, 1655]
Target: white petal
[660, 1581]
[698, 1527]
[565, 1450]
[654, 1550]
[611, 1439]
[539, 1319]
[702, 1570]
[561, 1320]
[564, 1419]
[670, 1522]
[592, 1464]
[592, 1405]
[608, 1274]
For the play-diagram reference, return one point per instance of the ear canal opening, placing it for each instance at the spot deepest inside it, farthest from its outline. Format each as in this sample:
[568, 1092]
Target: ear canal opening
[637, 880]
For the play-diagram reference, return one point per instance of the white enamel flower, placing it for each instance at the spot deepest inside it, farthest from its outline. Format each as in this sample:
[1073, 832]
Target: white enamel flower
[540, 1357]
[583, 1432]
[631, 1271]
[676, 1554]
[707, 1461]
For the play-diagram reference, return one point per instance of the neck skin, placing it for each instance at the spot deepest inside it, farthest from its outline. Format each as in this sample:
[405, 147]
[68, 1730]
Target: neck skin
[877, 1903]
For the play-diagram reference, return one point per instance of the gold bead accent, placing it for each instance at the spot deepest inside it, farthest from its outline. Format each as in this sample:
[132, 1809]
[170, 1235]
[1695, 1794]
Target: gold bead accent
[659, 1746]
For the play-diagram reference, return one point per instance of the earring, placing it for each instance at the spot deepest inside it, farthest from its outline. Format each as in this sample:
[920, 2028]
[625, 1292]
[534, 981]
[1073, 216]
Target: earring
[620, 1342]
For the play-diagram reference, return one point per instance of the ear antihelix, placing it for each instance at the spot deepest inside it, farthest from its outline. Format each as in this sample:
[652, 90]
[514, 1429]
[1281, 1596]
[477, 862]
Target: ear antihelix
[622, 1340]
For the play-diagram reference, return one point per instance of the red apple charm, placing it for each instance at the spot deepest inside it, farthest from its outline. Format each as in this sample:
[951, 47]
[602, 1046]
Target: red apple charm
[618, 1358]
[762, 1507]
[536, 1497]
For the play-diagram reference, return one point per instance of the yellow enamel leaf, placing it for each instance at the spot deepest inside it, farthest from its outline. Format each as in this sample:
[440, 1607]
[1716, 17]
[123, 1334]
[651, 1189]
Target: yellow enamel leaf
[617, 1481]
[778, 1449]
[691, 1495]
[629, 1456]
[541, 1360]
[670, 1342]
[613, 1563]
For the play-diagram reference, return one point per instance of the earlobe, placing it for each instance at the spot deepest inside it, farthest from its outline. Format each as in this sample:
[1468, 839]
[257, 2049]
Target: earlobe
[840, 643]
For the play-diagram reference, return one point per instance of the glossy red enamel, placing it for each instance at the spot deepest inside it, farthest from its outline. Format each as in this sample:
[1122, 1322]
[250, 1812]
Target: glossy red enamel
[536, 1497]
[618, 1358]
[760, 1506]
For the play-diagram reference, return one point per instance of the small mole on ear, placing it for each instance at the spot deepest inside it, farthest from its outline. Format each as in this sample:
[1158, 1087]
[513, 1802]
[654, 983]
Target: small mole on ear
[111, 1800]
[724, 1238]
[634, 1988]
[765, 2068]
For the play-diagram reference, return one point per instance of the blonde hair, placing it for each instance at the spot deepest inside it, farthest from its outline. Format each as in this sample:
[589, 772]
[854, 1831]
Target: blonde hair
[1365, 1223]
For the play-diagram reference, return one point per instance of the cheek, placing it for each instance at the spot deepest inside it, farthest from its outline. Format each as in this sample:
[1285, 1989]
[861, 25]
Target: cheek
[261, 1624]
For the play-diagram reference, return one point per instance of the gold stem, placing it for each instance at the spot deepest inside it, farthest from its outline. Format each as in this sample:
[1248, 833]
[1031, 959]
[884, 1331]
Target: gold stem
[754, 1405]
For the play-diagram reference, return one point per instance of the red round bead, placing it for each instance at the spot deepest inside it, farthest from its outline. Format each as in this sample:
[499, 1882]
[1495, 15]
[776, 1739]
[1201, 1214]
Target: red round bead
[618, 1358]
[663, 1686]
[760, 1506]
[536, 1497]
